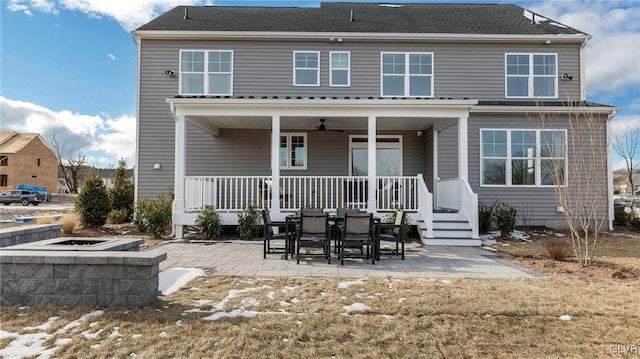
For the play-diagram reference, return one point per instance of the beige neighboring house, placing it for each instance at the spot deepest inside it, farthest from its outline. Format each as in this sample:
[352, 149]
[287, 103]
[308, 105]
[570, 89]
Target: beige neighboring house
[26, 158]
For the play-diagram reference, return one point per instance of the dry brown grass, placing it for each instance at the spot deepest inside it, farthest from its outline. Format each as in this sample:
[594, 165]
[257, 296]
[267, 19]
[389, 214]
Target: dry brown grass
[44, 220]
[407, 318]
[70, 222]
[616, 250]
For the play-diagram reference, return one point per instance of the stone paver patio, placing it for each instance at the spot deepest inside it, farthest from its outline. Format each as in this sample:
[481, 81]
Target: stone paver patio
[245, 259]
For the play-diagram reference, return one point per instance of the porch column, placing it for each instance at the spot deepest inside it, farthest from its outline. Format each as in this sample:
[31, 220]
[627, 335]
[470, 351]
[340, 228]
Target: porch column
[180, 172]
[435, 165]
[463, 149]
[372, 182]
[275, 164]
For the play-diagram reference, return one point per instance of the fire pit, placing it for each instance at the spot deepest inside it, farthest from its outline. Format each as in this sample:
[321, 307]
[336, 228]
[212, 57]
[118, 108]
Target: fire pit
[83, 244]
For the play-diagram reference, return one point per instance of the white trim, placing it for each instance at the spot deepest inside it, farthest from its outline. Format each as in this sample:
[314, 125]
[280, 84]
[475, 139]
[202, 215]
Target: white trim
[348, 69]
[206, 73]
[463, 149]
[530, 76]
[399, 145]
[306, 68]
[540, 109]
[537, 159]
[360, 36]
[275, 163]
[288, 135]
[583, 91]
[610, 172]
[407, 74]
[372, 149]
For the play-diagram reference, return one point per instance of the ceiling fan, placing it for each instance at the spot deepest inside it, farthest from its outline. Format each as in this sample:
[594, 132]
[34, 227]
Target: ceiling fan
[323, 128]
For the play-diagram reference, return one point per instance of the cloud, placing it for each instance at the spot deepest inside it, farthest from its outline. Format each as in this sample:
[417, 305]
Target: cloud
[129, 14]
[613, 52]
[112, 56]
[98, 137]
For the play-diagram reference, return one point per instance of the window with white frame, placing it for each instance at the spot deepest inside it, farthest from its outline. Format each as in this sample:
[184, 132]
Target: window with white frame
[522, 157]
[407, 74]
[340, 69]
[206, 72]
[293, 151]
[388, 155]
[306, 68]
[531, 75]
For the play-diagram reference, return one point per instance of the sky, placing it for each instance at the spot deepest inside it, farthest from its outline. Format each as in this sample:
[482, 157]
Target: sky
[68, 67]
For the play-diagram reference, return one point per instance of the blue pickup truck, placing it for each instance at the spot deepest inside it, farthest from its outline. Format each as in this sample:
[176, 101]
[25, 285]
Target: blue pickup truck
[42, 191]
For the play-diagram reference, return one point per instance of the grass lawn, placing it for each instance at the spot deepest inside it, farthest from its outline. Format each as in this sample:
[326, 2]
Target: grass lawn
[562, 315]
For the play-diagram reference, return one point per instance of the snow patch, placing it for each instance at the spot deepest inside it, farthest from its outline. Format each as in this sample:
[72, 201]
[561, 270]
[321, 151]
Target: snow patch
[173, 279]
[534, 18]
[356, 307]
[565, 317]
[343, 285]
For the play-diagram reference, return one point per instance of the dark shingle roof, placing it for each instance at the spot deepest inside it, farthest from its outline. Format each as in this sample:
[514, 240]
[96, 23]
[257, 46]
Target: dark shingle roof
[497, 19]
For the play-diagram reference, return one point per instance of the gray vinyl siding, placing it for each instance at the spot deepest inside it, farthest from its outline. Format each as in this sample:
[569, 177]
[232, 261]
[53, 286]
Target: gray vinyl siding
[266, 69]
[538, 203]
[248, 153]
[448, 152]
[428, 158]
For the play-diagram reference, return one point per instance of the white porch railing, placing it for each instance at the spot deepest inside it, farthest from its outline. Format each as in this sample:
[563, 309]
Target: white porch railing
[227, 193]
[469, 206]
[448, 193]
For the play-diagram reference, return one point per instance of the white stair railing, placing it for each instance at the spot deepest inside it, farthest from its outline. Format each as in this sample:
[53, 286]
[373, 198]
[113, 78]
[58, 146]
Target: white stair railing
[469, 206]
[425, 205]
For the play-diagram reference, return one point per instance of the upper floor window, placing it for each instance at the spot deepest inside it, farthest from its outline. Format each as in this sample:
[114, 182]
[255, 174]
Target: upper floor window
[4, 160]
[523, 157]
[206, 72]
[306, 68]
[531, 75]
[407, 74]
[4, 180]
[340, 71]
[293, 151]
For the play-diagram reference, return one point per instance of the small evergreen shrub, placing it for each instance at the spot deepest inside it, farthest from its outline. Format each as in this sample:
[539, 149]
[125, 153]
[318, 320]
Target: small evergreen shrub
[153, 216]
[208, 222]
[634, 221]
[93, 202]
[484, 218]
[620, 216]
[118, 216]
[557, 248]
[249, 222]
[505, 216]
[121, 194]
[69, 223]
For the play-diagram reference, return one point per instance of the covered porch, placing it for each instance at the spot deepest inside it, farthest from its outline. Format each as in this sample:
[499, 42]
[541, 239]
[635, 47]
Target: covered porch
[363, 157]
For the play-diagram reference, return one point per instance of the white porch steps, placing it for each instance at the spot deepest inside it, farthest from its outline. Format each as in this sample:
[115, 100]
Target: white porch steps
[449, 229]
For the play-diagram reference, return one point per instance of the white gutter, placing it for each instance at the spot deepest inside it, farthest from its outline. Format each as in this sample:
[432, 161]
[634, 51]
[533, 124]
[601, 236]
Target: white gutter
[541, 108]
[137, 166]
[356, 36]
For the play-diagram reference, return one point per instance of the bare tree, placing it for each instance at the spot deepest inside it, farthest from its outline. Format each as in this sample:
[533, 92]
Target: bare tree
[577, 167]
[70, 162]
[625, 142]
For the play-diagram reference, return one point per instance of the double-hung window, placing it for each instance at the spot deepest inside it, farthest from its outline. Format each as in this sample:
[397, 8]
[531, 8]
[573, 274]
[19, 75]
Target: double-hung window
[531, 75]
[206, 72]
[293, 151]
[523, 157]
[306, 68]
[339, 74]
[407, 74]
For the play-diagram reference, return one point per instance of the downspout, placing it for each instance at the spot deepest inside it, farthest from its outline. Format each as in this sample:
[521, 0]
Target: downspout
[136, 42]
[610, 169]
[583, 91]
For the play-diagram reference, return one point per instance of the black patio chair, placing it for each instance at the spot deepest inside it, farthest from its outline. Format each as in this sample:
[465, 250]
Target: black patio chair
[339, 217]
[313, 232]
[271, 238]
[357, 234]
[396, 235]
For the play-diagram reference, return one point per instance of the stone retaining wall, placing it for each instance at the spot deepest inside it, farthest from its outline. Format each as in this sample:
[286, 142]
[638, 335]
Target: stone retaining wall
[19, 235]
[104, 279]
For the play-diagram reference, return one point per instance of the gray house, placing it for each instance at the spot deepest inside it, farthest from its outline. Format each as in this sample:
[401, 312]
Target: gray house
[432, 108]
